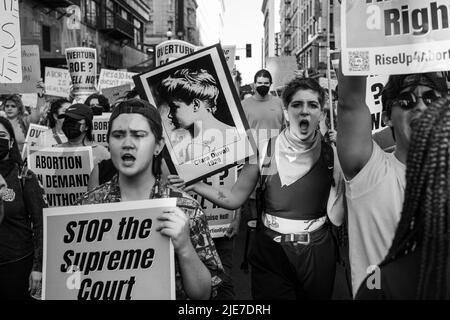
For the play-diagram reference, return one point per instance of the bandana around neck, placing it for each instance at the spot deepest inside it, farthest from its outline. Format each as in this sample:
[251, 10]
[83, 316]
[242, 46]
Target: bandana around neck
[295, 158]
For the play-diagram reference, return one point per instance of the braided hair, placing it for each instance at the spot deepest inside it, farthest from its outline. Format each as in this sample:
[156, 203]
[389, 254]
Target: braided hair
[425, 218]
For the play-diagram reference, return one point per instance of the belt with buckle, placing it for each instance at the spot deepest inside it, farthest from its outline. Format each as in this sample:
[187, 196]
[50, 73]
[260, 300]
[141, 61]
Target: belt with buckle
[302, 238]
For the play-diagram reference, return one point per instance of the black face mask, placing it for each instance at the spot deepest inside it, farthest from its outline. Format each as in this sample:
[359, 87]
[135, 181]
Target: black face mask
[71, 129]
[263, 90]
[4, 148]
[97, 110]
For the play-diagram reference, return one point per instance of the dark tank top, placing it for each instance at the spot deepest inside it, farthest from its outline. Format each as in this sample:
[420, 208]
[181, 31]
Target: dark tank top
[306, 198]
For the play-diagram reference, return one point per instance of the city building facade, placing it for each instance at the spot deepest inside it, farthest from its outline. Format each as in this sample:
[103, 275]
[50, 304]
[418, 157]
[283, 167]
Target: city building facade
[210, 21]
[114, 27]
[270, 44]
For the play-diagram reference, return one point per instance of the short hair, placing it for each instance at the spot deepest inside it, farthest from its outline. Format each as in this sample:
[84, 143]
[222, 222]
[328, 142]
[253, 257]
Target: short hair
[263, 73]
[396, 84]
[55, 105]
[297, 84]
[190, 84]
[102, 101]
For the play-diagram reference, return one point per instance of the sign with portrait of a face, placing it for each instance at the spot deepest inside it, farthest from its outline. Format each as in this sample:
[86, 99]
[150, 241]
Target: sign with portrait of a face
[205, 129]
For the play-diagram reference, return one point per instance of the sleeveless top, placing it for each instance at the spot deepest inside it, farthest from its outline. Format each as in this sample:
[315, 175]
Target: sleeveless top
[305, 199]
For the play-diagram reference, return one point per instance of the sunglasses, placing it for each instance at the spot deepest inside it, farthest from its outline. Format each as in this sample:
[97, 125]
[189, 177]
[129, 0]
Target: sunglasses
[408, 100]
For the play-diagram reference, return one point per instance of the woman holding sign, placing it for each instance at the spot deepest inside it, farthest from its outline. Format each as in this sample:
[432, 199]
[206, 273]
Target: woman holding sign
[294, 252]
[135, 140]
[55, 134]
[21, 230]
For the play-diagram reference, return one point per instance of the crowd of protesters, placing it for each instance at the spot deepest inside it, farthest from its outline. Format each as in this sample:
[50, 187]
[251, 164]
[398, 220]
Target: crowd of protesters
[321, 195]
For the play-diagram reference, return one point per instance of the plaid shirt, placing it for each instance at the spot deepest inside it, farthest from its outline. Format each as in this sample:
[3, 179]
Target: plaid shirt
[199, 232]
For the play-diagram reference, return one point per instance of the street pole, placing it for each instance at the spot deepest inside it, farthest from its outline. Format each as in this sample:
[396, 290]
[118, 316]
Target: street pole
[330, 94]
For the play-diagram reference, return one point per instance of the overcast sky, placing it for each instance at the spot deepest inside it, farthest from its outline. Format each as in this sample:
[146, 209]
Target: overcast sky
[243, 23]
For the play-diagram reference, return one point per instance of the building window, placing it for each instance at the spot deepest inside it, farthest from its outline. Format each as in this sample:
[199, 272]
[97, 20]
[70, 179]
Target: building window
[91, 12]
[138, 34]
[46, 39]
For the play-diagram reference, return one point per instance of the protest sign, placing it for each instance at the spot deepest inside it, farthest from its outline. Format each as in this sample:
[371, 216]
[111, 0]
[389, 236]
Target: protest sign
[230, 55]
[395, 37]
[82, 63]
[217, 137]
[114, 78]
[10, 59]
[57, 82]
[100, 128]
[31, 140]
[29, 100]
[108, 252]
[374, 87]
[115, 93]
[171, 50]
[31, 72]
[63, 172]
[219, 219]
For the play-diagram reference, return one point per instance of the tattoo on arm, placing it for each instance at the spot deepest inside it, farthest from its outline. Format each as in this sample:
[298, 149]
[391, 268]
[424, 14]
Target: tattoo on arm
[221, 195]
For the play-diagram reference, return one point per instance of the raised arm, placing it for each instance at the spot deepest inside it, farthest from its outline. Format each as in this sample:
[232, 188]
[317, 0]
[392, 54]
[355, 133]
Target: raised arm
[354, 133]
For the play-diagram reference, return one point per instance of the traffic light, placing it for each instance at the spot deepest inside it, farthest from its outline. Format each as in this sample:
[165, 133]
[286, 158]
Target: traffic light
[248, 50]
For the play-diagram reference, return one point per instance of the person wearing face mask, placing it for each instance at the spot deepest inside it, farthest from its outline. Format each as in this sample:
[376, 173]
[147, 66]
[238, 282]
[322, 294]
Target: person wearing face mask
[3, 188]
[264, 113]
[77, 127]
[54, 135]
[21, 229]
[98, 103]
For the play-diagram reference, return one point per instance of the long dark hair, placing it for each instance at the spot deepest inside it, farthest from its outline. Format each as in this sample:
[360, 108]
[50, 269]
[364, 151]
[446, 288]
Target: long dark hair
[54, 108]
[14, 153]
[425, 219]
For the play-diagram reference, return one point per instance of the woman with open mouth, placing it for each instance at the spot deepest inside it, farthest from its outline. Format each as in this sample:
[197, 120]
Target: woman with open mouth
[294, 253]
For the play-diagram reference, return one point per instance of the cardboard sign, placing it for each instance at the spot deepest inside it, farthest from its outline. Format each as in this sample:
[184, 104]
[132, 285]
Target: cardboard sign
[100, 129]
[395, 37]
[10, 59]
[31, 72]
[171, 50]
[219, 219]
[82, 63]
[230, 55]
[113, 78]
[375, 85]
[63, 172]
[108, 252]
[115, 93]
[32, 138]
[57, 82]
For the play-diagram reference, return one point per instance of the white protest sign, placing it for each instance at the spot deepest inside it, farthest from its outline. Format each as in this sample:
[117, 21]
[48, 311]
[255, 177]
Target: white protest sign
[100, 128]
[108, 252]
[63, 172]
[29, 100]
[10, 58]
[395, 37]
[115, 93]
[31, 72]
[32, 138]
[82, 63]
[171, 50]
[374, 87]
[112, 78]
[324, 83]
[57, 82]
[230, 55]
[219, 219]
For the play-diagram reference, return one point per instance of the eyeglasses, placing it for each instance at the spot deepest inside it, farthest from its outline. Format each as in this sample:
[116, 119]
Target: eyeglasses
[408, 100]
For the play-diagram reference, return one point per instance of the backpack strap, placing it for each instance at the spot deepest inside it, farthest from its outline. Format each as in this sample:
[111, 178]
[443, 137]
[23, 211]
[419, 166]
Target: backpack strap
[260, 190]
[56, 136]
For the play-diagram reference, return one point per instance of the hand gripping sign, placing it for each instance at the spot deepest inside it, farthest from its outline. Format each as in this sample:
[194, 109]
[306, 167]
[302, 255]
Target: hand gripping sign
[82, 63]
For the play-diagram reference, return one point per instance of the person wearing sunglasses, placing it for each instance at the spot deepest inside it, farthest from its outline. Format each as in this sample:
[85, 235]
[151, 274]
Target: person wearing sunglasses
[374, 179]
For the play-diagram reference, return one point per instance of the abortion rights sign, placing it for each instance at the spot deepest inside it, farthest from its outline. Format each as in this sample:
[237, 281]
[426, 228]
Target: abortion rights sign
[100, 128]
[171, 50]
[108, 252]
[113, 78]
[82, 63]
[63, 172]
[374, 87]
[57, 82]
[10, 64]
[395, 37]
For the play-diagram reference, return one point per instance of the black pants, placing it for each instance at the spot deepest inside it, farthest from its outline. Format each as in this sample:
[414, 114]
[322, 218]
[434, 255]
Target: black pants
[14, 279]
[224, 247]
[293, 271]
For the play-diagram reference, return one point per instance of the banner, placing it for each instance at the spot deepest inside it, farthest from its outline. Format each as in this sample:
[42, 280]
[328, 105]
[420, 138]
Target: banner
[219, 219]
[63, 172]
[395, 37]
[82, 63]
[115, 93]
[375, 85]
[108, 252]
[10, 59]
[113, 78]
[230, 55]
[31, 72]
[57, 82]
[171, 50]
[100, 128]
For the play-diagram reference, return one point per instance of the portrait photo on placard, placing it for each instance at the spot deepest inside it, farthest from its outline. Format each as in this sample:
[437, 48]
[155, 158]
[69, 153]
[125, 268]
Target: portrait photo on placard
[205, 129]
